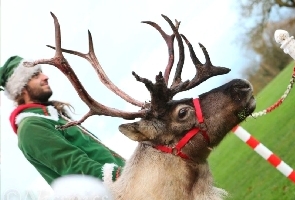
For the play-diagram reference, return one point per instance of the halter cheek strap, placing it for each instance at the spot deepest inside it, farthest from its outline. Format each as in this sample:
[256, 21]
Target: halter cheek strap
[176, 150]
[200, 118]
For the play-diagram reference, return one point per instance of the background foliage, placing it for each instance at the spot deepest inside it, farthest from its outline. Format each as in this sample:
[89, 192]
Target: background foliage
[259, 19]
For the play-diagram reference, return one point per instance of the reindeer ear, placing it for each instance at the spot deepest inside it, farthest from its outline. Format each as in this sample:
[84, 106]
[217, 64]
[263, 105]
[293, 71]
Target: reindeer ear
[136, 132]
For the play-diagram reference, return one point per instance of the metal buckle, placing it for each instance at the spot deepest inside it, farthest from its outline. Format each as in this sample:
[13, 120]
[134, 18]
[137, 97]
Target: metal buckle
[174, 151]
[203, 126]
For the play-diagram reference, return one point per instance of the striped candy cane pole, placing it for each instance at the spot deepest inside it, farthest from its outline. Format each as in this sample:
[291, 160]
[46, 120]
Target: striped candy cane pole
[264, 152]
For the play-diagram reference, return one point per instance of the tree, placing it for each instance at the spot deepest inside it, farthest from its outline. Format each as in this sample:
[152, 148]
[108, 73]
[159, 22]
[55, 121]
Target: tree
[248, 7]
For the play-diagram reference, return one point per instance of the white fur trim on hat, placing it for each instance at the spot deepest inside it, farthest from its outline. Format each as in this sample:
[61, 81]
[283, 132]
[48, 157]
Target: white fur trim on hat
[20, 77]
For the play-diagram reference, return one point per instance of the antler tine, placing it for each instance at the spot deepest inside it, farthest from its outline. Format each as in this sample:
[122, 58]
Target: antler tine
[61, 63]
[177, 84]
[178, 71]
[58, 52]
[194, 58]
[160, 94]
[204, 71]
[169, 39]
[92, 59]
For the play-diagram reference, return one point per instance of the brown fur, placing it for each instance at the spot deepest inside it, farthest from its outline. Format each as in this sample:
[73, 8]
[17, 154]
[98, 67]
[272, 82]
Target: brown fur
[152, 174]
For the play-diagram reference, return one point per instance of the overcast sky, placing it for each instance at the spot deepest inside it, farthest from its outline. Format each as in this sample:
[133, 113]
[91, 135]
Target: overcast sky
[122, 45]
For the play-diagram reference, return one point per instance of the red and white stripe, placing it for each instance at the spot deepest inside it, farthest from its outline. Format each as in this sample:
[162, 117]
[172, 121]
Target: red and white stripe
[264, 152]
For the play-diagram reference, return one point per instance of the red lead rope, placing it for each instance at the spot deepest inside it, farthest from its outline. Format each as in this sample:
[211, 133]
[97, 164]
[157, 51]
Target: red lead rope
[191, 133]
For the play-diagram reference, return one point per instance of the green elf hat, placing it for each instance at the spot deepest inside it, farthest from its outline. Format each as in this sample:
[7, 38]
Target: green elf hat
[14, 76]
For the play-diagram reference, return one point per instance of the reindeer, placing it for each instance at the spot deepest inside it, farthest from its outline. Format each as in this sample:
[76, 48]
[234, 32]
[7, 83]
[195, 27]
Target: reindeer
[175, 137]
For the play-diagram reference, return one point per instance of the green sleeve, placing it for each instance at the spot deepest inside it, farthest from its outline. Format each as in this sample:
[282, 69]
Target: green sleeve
[42, 142]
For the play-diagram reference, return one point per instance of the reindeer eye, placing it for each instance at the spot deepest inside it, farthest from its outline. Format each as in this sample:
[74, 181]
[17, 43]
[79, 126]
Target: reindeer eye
[182, 113]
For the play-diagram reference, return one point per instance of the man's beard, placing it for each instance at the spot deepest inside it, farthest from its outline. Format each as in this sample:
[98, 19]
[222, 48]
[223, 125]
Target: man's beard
[38, 94]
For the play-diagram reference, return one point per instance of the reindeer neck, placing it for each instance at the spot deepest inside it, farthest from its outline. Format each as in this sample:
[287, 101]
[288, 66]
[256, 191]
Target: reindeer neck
[151, 174]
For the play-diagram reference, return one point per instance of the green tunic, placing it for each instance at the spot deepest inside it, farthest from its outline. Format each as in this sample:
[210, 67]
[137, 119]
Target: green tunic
[55, 153]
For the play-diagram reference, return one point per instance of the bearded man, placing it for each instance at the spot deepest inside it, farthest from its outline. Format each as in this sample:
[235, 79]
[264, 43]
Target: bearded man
[53, 152]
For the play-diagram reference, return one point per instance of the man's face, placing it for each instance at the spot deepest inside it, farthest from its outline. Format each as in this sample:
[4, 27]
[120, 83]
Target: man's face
[38, 88]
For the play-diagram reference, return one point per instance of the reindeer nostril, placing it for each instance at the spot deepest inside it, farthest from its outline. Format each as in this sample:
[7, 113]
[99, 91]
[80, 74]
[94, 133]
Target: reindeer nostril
[242, 85]
[245, 89]
[242, 88]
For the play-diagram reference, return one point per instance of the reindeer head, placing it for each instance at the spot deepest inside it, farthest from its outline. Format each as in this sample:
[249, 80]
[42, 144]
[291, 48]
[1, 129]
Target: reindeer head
[193, 126]
[213, 113]
[222, 108]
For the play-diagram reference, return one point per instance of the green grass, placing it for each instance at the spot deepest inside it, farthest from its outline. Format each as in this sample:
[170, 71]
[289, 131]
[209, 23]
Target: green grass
[244, 173]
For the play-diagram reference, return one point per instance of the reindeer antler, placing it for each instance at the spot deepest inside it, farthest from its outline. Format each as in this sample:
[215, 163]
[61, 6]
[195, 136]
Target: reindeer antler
[92, 59]
[95, 108]
[203, 71]
[169, 39]
[160, 93]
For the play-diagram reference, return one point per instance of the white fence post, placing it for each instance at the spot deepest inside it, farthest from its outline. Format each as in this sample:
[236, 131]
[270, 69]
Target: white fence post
[287, 43]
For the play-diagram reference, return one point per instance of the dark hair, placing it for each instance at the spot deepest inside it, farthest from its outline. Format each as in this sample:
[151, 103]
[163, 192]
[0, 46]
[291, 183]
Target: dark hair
[61, 107]
[19, 99]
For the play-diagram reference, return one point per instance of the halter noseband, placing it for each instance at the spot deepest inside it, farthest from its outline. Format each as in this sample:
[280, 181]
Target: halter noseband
[176, 150]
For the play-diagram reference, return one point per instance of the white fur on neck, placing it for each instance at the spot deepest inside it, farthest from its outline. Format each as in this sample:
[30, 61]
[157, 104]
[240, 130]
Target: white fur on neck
[136, 183]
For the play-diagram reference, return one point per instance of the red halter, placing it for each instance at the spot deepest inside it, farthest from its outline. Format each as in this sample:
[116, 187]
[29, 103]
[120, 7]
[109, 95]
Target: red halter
[176, 150]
